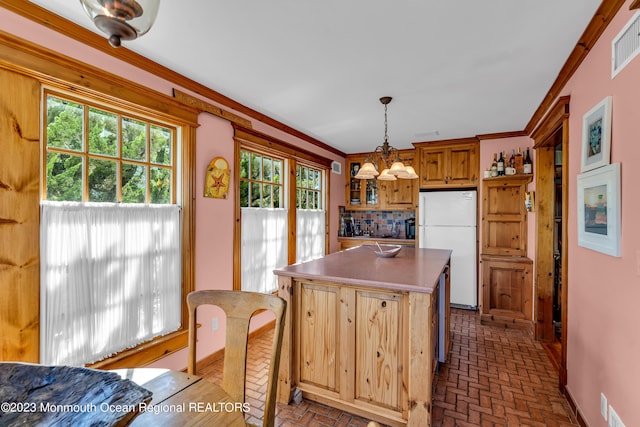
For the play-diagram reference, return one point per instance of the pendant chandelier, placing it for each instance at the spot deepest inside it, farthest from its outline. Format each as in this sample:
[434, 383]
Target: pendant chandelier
[388, 156]
[122, 19]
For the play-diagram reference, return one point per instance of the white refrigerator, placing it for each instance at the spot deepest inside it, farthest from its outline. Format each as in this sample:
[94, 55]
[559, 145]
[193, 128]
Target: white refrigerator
[447, 220]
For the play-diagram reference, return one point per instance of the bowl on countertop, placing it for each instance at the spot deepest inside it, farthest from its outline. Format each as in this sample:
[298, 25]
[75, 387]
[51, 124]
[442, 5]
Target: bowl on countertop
[386, 251]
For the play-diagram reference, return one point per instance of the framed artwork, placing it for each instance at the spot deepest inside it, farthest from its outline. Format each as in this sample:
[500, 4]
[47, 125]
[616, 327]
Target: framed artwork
[217, 179]
[599, 209]
[596, 136]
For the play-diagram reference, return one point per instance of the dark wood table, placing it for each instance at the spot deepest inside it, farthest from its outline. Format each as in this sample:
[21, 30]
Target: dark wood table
[180, 399]
[32, 394]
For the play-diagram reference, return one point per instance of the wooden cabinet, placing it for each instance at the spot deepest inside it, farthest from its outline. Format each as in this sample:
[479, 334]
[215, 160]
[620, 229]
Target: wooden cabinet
[353, 343]
[378, 349]
[318, 345]
[448, 164]
[507, 293]
[360, 193]
[402, 193]
[350, 346]
[504, 216]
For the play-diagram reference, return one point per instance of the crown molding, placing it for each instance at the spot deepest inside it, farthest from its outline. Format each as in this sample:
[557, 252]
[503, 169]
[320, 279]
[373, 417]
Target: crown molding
[597, 25]
[65, 27]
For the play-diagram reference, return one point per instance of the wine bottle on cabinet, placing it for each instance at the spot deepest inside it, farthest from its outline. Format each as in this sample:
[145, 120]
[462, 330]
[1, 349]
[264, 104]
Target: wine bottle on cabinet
[519, 162]
[501, 165]
[494, 165]
[527, 166]
[512, 159]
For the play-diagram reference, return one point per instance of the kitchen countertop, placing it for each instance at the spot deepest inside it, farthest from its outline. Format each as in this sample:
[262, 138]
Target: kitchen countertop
[412, 270]
[379, 239]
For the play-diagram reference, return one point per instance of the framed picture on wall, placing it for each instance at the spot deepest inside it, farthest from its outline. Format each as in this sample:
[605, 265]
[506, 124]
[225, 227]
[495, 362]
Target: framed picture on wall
[599, 209]
[596, 136]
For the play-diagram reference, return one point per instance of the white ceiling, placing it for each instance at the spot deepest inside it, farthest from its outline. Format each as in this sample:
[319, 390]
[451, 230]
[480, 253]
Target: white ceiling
[456, 67]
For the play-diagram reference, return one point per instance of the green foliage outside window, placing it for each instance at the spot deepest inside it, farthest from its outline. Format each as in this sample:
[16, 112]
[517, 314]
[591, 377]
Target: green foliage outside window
[261, 181]
[127, 159]
[308, 188]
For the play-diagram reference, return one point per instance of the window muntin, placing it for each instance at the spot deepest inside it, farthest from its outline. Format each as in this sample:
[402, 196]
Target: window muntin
[261, 180]
[94, 154]
[309, 188]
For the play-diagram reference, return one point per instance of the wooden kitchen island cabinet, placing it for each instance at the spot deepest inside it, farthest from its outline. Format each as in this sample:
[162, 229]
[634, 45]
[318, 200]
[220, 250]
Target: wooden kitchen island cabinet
[363, 334]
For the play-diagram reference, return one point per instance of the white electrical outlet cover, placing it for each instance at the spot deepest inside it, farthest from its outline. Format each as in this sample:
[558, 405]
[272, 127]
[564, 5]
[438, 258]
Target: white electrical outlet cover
[603, 406]
[614, 419]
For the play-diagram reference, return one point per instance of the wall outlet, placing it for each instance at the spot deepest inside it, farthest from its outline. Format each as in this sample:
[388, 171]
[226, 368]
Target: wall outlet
[614, 419]
[603, 406]
[214, 324]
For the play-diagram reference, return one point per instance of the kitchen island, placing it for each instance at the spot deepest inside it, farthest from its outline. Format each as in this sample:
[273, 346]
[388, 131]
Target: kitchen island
[361, 332]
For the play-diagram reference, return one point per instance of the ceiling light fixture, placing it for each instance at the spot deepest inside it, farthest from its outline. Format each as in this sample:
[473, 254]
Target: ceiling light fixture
[388, 155]
[122, 19]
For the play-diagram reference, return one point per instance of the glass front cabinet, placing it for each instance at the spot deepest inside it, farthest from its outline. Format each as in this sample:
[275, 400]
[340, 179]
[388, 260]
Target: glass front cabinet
[360, 193]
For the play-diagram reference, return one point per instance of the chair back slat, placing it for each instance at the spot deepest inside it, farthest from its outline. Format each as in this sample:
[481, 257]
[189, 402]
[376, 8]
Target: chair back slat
[239, 307]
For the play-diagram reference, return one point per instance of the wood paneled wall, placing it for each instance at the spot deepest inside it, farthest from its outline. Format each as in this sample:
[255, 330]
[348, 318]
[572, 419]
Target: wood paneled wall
[19, 217]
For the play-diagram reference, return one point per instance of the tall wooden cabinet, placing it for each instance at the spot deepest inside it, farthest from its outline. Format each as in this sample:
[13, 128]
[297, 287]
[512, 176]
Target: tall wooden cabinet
[507, 290]
[448, 164]
[504, 217]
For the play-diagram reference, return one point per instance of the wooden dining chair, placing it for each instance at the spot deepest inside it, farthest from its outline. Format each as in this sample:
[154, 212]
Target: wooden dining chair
[239, 307]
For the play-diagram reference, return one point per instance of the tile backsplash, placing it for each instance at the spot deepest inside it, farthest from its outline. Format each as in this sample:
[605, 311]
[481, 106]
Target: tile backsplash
[375, 223]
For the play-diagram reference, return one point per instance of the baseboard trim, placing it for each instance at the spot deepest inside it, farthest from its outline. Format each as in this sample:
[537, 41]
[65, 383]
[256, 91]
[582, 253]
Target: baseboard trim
[575, 410]
[206, 361]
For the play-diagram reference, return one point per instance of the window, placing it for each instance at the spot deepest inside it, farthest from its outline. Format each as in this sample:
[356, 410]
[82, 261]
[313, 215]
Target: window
[261, 183]
[97, 155]
[110, 231]
[264, 219]
[310, 214]
[280, 214]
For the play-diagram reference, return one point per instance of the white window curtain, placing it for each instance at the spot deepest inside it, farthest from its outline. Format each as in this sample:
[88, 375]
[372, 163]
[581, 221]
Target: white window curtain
[310, 234]
[264, 247]
[110, 278]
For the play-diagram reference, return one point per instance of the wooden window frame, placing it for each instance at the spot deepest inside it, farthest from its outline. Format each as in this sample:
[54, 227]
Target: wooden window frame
[323, 187]
[62, 73]
[254, 140]
[118, 158]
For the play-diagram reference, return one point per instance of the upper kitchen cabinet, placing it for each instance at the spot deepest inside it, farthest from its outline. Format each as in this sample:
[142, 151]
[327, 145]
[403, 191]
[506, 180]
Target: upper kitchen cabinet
[448, 164]
[360, 193]
[402, 193]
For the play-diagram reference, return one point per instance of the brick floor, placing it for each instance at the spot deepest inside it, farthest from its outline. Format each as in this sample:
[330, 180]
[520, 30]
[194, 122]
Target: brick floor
[493, 377]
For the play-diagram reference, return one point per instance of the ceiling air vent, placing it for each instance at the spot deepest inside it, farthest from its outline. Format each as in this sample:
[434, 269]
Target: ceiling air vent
[626, 45]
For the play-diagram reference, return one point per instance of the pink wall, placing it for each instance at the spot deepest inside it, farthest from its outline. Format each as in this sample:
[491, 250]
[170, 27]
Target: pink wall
[214, 233]
[604, 291]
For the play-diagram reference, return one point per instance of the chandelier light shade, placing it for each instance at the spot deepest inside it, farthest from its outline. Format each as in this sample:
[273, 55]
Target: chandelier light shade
[393, 168]
[122, 19]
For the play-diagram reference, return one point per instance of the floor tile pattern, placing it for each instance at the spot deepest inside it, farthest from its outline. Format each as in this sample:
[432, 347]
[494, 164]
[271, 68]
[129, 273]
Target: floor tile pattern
[493, 377]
